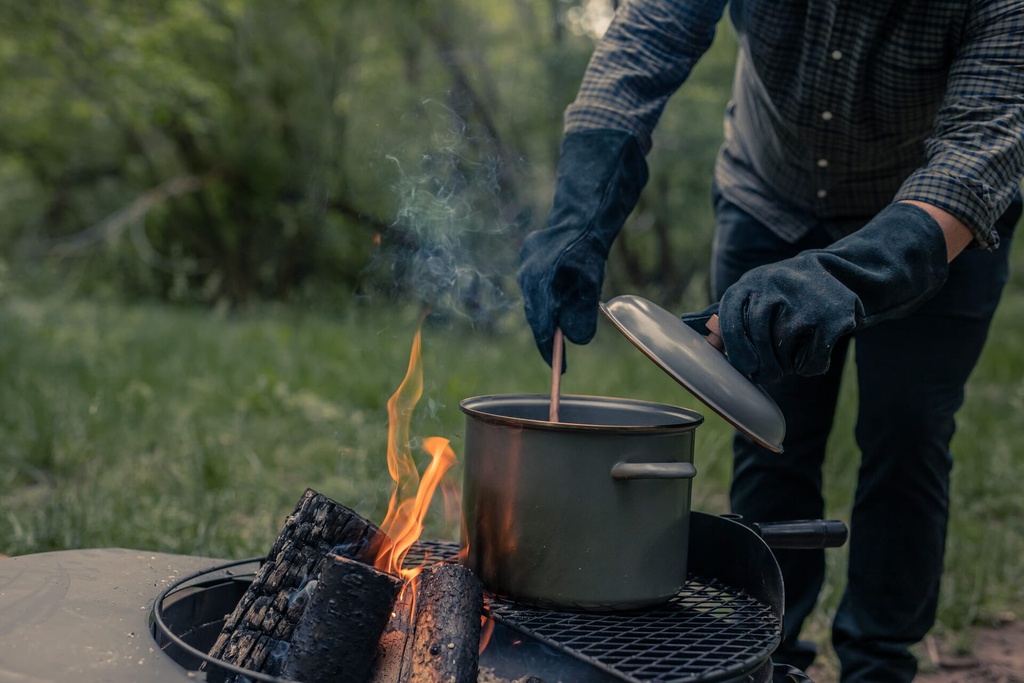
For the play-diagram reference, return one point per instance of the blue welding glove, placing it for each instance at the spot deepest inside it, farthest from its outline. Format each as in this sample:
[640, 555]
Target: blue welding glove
[561, 268]
[785, 317]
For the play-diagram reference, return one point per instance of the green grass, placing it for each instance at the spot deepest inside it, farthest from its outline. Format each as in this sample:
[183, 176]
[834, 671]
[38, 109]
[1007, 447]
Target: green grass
[189, 431]
[184, 431]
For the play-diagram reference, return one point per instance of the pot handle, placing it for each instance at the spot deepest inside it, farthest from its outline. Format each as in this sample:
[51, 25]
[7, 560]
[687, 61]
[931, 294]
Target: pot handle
[811, 534]
[654, 470]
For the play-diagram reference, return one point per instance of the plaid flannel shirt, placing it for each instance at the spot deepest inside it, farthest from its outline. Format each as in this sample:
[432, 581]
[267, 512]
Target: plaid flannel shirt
[839, 107]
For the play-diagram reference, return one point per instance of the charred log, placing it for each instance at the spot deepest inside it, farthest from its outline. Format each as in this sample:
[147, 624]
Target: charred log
[446, 638]
[257, 633]
[318, 611]
[338, 632]
[391, 659]
[434, 632]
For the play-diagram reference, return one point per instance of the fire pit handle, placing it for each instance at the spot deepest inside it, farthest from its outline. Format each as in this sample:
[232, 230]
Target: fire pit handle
[654, 470]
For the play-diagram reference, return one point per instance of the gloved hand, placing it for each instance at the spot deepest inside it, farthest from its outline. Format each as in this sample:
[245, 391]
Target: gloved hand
[561, 268]
[785, 317]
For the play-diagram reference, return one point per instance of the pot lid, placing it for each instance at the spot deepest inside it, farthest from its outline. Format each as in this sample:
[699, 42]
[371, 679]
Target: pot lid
[703, 370]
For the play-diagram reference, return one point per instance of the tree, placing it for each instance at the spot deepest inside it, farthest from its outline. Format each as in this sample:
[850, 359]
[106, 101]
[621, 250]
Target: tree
[201, 150]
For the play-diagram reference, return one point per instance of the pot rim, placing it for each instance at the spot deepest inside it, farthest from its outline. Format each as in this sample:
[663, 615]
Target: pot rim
[677, 419]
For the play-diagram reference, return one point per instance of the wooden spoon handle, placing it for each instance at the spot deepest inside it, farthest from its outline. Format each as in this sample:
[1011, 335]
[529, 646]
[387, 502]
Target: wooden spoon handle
[714, 334]
[556, 374]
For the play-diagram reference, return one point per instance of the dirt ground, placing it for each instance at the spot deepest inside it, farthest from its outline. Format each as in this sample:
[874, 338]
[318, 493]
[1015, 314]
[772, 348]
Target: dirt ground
[997, 657]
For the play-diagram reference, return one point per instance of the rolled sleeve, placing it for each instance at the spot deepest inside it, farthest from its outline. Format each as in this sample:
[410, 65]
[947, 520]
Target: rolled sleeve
[976, 152]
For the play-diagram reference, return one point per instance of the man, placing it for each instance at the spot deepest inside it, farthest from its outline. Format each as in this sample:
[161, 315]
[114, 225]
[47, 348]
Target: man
[867, 188]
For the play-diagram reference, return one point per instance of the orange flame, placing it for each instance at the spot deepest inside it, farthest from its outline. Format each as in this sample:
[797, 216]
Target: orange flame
[411, 498]
[486, 631]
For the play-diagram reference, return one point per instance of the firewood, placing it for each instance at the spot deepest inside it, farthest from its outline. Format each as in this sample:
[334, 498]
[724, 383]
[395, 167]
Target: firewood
[391, 648]
[338, 632]
[446, 637]
[256, 634]
[437, 641]
[316, 609]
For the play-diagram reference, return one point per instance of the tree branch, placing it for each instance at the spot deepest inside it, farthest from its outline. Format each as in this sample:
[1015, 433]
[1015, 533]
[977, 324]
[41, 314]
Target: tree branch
[387, 232]
[117, 222]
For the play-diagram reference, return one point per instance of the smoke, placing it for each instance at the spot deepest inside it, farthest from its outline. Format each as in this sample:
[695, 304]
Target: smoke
[454, 239]
[590, 18]
[301, 596]
[274, 665]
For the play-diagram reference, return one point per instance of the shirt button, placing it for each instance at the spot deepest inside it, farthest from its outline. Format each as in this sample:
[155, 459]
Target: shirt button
[822, 163]
[826, 116]
[837, 55]
[822, 194]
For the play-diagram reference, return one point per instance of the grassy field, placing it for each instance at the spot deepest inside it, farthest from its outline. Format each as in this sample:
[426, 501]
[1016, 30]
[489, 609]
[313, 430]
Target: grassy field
[189, 431]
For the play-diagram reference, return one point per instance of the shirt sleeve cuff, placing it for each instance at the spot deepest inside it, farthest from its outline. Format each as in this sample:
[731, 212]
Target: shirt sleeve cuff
[976, 204]
[579, 117]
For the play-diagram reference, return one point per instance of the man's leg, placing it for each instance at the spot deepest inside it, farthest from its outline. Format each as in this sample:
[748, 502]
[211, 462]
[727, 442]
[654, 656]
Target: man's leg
[771, 487]
[768, 486]
[911, 374]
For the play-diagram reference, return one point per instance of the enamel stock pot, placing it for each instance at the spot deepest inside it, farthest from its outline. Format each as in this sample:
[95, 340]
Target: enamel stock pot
[591, 512]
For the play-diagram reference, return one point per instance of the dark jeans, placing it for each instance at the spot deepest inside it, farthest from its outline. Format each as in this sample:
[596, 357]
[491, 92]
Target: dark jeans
[910, 375]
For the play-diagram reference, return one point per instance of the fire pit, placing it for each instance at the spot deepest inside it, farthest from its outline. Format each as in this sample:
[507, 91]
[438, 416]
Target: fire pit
[722, 626]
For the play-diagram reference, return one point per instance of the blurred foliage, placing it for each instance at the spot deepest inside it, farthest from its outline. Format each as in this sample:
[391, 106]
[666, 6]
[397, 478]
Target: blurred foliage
[231, 150]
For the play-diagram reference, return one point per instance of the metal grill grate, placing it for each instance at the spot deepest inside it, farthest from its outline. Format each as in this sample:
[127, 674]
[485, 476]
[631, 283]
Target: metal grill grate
[708, 632]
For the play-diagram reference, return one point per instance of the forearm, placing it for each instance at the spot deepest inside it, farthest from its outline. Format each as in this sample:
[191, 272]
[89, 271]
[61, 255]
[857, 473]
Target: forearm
[958, 235]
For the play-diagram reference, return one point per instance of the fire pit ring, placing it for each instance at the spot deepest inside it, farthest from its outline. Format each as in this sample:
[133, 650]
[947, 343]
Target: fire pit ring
[739, 613]
[185, 629]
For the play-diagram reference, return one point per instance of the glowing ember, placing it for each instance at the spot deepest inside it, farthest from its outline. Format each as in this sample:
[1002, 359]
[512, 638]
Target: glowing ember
[411, 497]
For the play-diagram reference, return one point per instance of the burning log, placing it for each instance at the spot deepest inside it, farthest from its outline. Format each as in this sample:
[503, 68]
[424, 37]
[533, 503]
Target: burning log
[446, 637]
[390, 655]
[256, 635]
[317, 611]
[273, 631]
[434, 635]
[338, 632]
